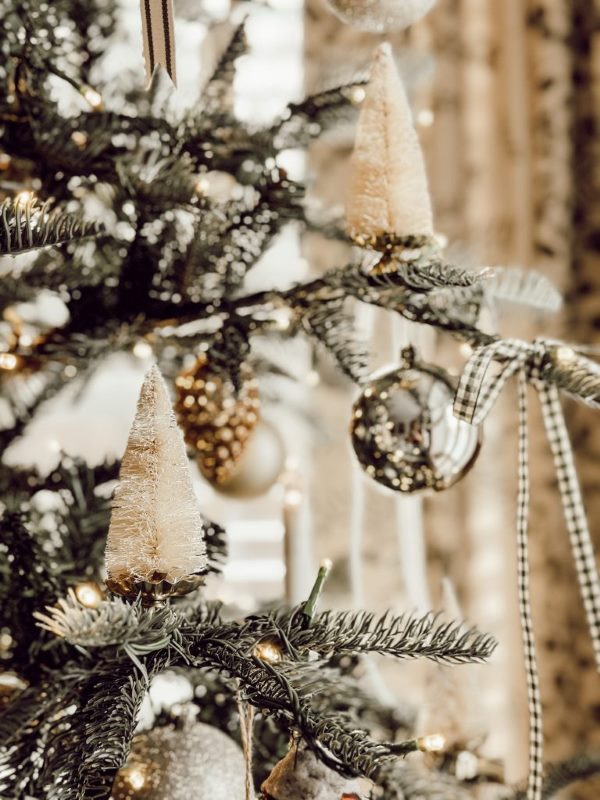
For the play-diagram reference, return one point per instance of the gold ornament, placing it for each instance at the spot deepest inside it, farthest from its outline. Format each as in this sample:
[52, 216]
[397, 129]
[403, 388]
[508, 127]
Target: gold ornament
[196, 761]
[11, 685]
[380, 16]
[216, 422]
[404, 432]
[300, 774]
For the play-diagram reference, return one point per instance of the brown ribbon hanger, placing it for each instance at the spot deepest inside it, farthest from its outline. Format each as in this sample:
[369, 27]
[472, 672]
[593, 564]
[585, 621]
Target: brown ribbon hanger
[159, 37]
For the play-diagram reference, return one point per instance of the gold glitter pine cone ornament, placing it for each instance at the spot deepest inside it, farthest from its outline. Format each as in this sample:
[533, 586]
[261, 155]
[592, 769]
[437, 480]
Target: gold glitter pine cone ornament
[239, 453]
[404, 431]
[196, 761]
[216, 422]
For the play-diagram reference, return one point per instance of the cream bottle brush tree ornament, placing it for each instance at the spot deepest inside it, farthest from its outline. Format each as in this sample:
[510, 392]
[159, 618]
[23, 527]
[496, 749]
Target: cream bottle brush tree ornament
[156, 536]
[388, 197]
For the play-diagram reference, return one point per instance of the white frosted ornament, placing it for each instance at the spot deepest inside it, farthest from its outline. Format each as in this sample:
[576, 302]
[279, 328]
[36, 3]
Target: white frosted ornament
[197, 761]
[388, 196]
[156, 535]
[260, 465]
[380, 16]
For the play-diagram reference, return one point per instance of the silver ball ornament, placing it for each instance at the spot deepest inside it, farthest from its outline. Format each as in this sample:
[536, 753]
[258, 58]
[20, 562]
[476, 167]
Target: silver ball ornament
[404, 431]
[260, 465]
[169, 763]
[380, 16]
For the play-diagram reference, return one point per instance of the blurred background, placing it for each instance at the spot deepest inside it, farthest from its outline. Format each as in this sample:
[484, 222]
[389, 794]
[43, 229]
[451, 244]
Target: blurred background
[505, 97]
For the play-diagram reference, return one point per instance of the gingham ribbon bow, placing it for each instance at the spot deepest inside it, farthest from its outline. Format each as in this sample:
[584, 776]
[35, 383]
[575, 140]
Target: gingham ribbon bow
[159, 38]
[477, 392]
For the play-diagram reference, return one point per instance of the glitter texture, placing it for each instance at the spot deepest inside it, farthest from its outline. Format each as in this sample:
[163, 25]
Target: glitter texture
[198, 762]
[405, 434]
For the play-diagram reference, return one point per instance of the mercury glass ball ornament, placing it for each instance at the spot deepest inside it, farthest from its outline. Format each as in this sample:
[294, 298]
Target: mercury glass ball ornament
[196, 761]
[380, 16]
[404, 431]
[260, 465]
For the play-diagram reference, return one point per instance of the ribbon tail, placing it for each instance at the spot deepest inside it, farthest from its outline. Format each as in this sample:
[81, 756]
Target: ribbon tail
[536, 736]
[159, 37]
[574, 510]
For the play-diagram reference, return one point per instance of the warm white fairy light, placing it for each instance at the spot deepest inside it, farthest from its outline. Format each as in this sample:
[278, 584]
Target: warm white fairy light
[136, 777]
[142, 350]
[357, 95]
[92, 97]
[425, 117]
[24, 197]
[79, 139]
[268, 650]
[293, 497]
[202, 185]
[89, 594]
[565, 354]
[432, 743]
[8, 361]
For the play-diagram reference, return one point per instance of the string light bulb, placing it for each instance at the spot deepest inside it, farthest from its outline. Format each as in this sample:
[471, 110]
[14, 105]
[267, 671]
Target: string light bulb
[268, 650]
[357, 95]
[425, 117]
[92, 97]
[202, 186]
[8, 361]
[142, 349]
[432, 743]
[136, 776]
[565, 354]
[24, 197]
[79, 139]
[88, 594]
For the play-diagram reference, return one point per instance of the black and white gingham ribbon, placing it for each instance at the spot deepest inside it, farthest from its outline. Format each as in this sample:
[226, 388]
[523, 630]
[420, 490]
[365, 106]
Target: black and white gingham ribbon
[159, 39]
[475, 396]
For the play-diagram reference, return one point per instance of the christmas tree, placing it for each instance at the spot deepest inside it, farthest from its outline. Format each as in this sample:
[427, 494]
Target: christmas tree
[146, 223]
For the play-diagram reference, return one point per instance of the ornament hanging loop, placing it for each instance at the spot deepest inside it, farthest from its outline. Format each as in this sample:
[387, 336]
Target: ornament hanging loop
[408, 357]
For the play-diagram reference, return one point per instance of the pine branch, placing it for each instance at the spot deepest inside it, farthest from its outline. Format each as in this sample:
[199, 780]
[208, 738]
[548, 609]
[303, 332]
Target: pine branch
[304, 121]
[113, 622]
[29, 226]
[217, 92]
[522, 287]
[333, 327]
[26, 581]
[335, 632]
[336, 742]
[92, 742]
